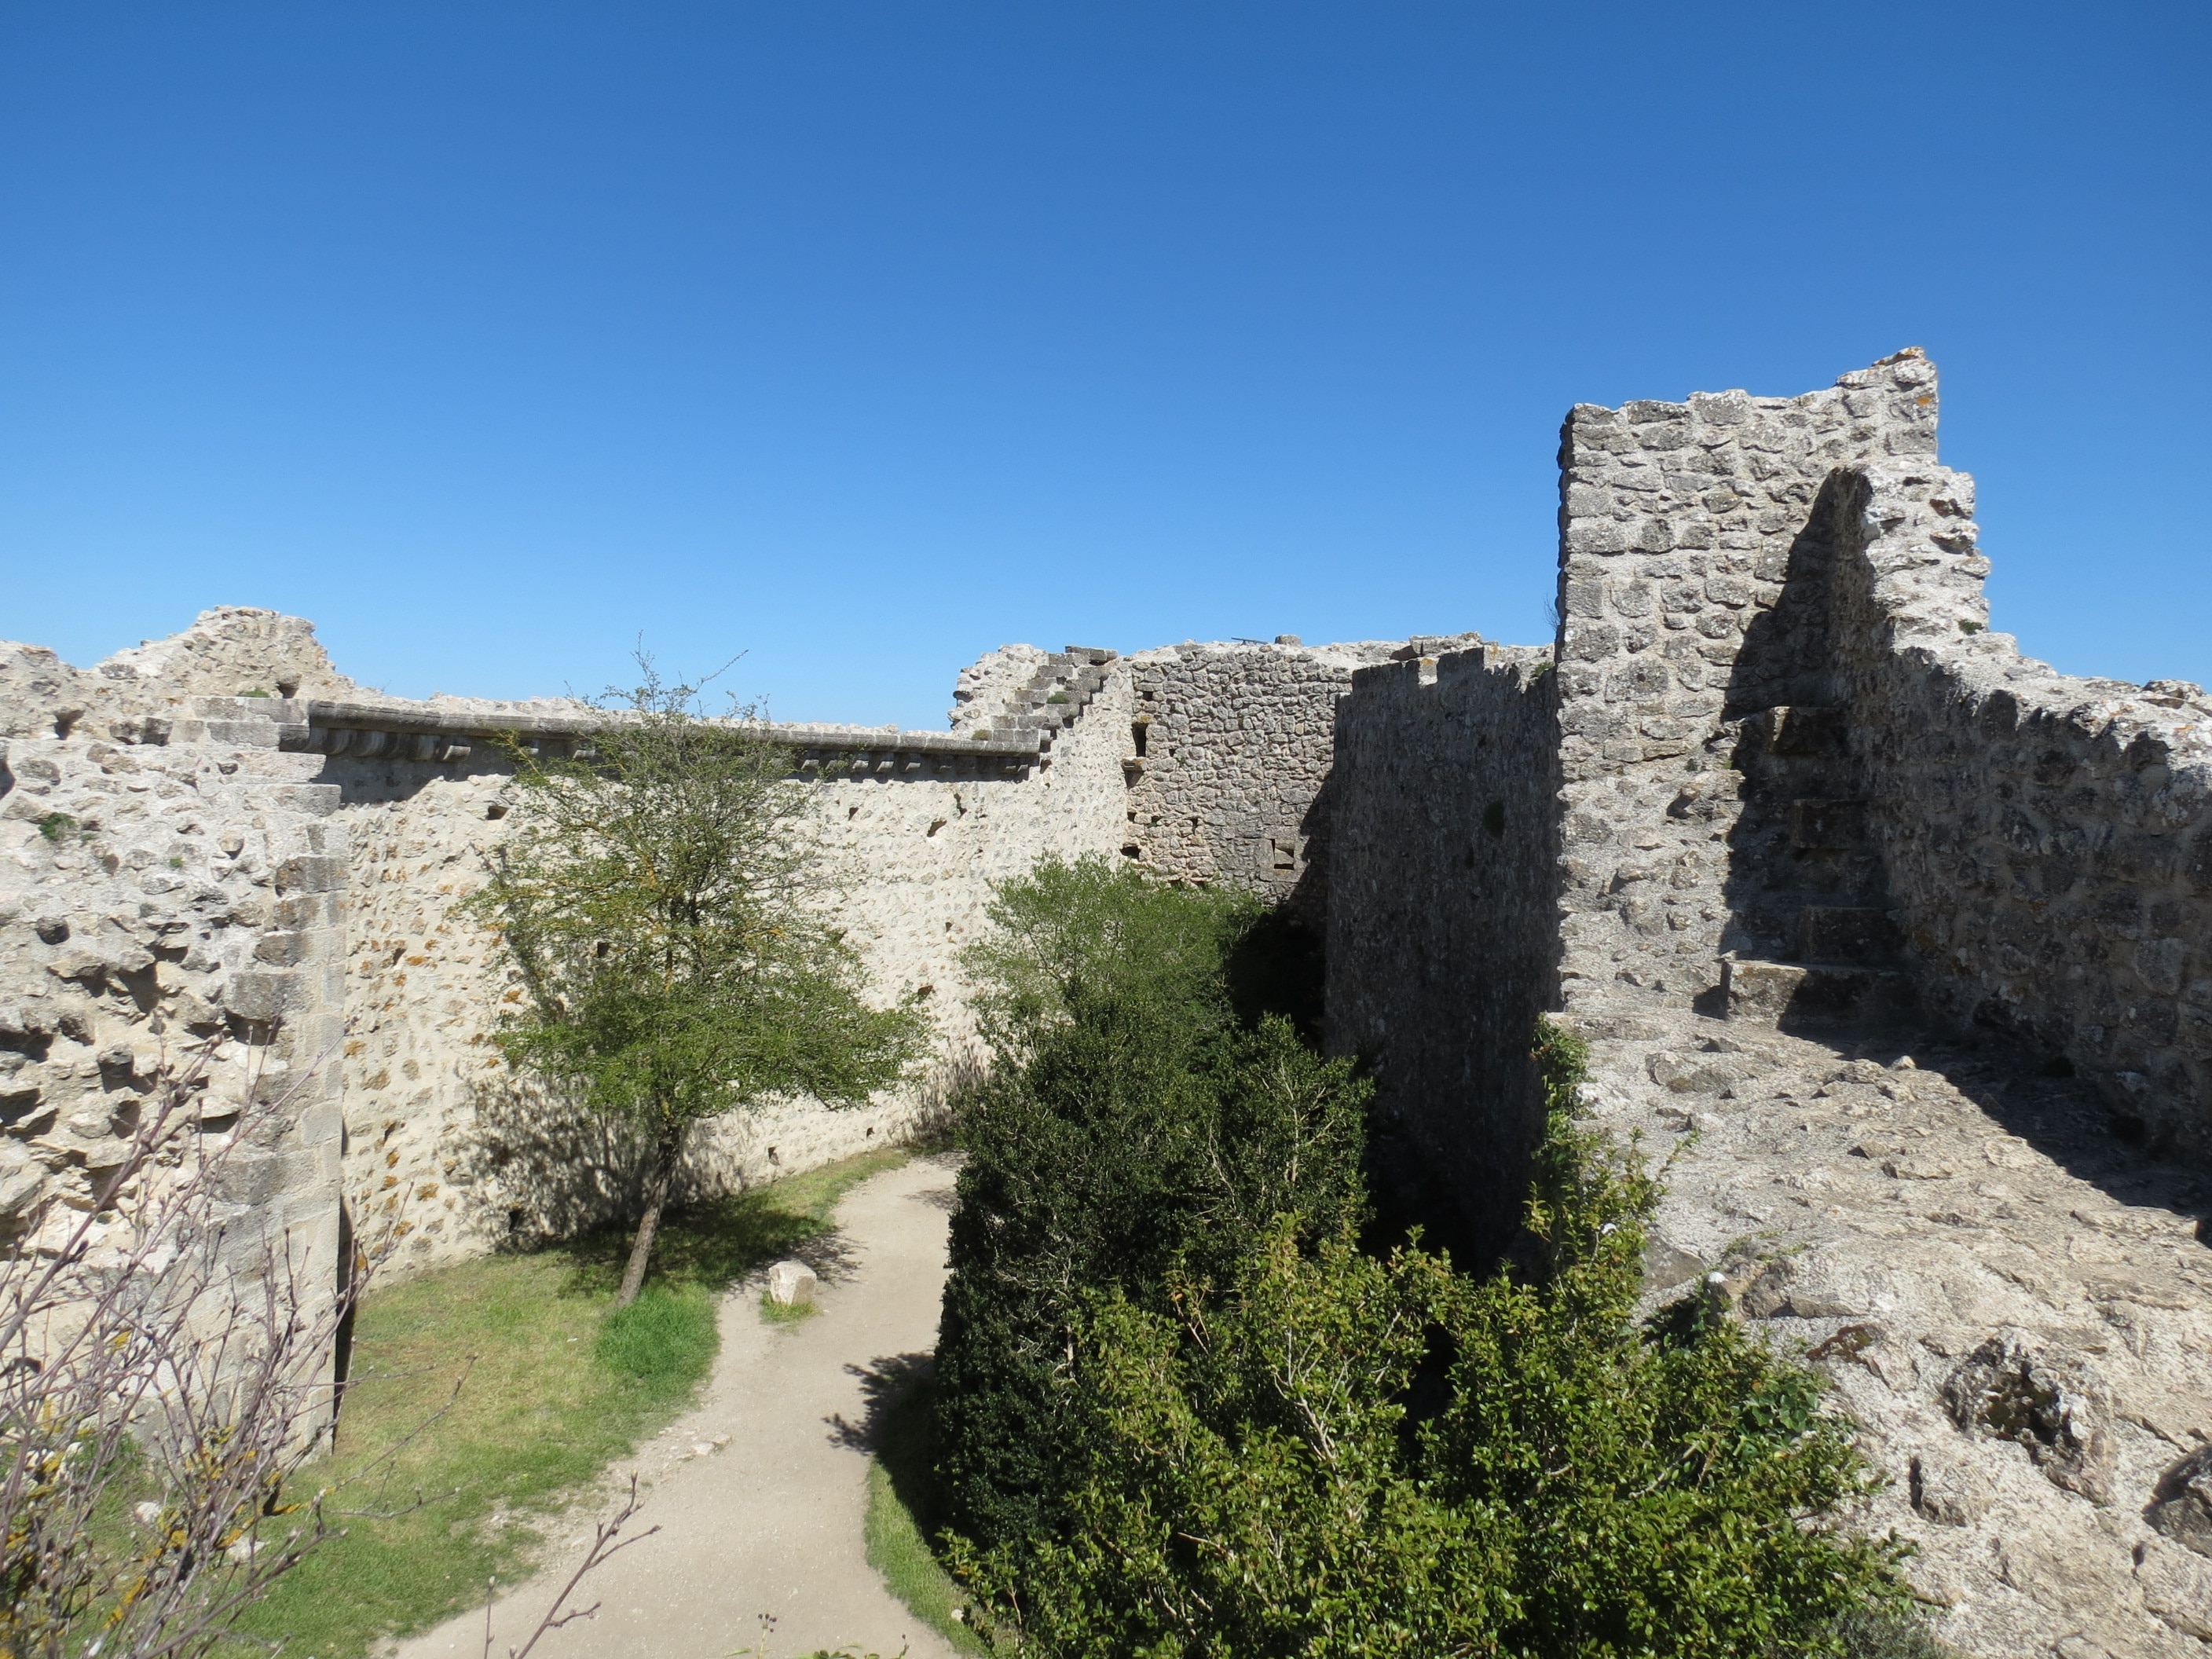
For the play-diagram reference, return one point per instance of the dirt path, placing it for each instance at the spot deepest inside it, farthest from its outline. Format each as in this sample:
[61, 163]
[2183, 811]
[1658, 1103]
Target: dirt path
[770, 1521]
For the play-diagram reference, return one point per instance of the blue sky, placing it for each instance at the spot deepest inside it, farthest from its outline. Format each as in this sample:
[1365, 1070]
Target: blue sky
[862, 337]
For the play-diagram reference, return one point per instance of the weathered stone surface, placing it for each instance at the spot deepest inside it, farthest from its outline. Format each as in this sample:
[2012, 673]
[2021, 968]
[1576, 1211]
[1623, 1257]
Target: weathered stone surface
[2053, 1403]
[1786, 776]
[1231, 756]
[2177, 1587]
[792, 1284]
[2181, 1504]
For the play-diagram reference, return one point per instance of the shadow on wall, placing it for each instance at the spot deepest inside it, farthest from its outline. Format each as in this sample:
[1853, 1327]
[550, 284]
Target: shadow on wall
[545, 1168]
[1805, 883]
[1444, 931]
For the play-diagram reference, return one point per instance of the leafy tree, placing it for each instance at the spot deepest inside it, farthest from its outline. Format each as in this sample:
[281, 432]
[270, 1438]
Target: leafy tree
[1245, 1476]
[660, 898]
[1135, 1123]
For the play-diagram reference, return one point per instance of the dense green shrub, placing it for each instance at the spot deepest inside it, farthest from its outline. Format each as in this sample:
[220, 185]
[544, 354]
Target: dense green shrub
[1242, 1475]
[1147, 1115]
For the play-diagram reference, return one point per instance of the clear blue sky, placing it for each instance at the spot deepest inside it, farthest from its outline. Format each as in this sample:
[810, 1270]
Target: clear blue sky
[866, 337]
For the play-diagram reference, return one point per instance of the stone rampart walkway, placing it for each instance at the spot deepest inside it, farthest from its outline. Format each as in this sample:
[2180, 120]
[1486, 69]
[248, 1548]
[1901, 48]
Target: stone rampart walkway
[768, 1522]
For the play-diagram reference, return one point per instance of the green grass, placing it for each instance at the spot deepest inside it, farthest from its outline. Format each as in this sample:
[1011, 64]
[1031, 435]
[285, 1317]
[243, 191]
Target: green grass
[785, 1313]
[553, 1386]
[902, 1517]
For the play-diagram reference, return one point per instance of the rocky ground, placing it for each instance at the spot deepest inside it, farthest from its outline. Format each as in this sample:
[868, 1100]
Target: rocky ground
[2012, 1300]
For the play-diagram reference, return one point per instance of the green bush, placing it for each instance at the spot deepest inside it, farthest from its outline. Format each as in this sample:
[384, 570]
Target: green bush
[1143, 1119]
[1242, 1475]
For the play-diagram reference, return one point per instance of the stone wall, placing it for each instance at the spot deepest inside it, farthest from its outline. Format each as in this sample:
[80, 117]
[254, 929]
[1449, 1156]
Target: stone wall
[1783, 795]
[171, 912]
[1678, 523]
[1804, 787]
[1229, 754]
[459, 1154]
[2047, 841]
[230, 651]
[1442, 936]
[448, 1153]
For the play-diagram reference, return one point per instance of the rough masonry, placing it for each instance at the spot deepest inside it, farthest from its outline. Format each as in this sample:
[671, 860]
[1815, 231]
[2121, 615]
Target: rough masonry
[1892, 941]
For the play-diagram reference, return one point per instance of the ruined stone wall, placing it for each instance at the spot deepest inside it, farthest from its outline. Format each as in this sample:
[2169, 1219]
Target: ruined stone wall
[1678, 523]
[2046, 841]
[238, 861]
[231, 651]
[1229, 752]
[459, 1153]
[1442, 930]
[170, 912]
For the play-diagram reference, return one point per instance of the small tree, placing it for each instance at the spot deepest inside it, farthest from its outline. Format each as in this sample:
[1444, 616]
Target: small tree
[660, 899]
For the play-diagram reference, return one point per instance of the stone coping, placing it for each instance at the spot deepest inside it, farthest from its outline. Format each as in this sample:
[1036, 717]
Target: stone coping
[307, 725]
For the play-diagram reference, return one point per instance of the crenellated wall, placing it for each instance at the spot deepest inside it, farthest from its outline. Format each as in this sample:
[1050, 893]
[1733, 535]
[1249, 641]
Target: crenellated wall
[1442, 934]
[1831, 878]
[1230, 763]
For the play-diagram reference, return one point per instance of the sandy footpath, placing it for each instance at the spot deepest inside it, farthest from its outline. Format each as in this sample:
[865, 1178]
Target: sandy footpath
[769, 1521]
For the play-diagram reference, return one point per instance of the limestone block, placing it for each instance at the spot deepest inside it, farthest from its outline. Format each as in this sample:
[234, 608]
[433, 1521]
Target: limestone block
[2177, 1586]
[23, 1178]
[792, 1284]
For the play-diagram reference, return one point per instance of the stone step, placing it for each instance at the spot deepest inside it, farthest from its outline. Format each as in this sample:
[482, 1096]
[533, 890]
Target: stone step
[1767, 993]
[1846, 933]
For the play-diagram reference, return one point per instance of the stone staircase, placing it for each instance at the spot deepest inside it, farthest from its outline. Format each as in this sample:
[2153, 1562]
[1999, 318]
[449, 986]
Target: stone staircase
[1814, 939]
[1052, 699]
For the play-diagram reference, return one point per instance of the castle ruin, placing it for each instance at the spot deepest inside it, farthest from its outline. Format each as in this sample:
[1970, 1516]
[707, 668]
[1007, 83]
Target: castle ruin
[1893, 938]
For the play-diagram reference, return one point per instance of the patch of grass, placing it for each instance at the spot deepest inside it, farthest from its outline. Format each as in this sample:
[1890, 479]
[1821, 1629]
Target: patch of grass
[664, 1340]
[554, 1386]
[55, 825]
[785, 1313]
[903, 1517]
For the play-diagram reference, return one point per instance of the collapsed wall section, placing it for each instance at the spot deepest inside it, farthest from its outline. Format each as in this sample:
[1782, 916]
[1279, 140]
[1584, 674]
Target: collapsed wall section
[171, 917]
[1442, 936]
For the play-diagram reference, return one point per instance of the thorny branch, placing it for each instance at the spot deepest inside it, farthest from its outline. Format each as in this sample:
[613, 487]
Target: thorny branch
[604, 1549]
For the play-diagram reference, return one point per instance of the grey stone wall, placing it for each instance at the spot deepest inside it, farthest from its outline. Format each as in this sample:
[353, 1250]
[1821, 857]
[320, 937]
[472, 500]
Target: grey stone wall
[1441, 931]
[1228, 761]
[171, 911]
[2046, 841]
[279, 873]
[1678, 523]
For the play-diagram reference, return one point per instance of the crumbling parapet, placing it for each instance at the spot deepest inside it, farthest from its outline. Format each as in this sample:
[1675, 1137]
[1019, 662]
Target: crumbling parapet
[2046, 839]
